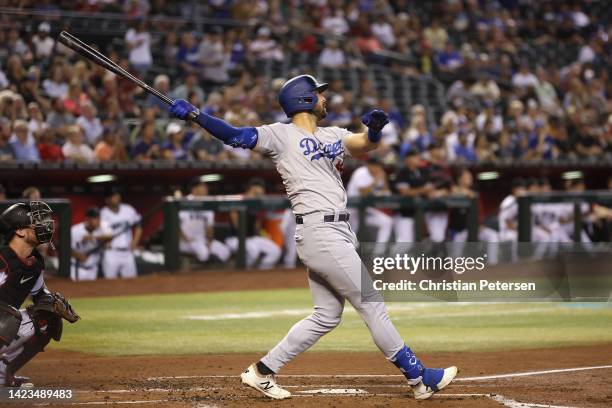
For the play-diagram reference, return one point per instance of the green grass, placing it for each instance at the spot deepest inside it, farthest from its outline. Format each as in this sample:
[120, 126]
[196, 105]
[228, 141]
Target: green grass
[158, 324]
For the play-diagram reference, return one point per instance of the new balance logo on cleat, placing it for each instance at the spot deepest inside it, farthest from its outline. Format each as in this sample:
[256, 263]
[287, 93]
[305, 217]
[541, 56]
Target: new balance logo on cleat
[266, 385]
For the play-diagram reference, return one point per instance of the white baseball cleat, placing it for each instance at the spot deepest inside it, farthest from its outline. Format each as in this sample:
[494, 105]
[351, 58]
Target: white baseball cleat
[434, 379]
[265, 384]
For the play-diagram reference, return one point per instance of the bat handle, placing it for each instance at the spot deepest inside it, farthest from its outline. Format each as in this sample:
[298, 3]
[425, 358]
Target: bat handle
[193, 117]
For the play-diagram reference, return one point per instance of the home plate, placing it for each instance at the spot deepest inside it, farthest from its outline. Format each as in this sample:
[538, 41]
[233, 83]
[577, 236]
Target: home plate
[344, 391]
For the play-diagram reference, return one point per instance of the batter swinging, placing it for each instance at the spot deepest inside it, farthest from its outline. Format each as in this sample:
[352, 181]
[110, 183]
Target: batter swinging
[309, 159]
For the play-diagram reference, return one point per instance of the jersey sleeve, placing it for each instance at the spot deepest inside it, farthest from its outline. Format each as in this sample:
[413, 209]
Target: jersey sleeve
[268, 141]
[134, 217]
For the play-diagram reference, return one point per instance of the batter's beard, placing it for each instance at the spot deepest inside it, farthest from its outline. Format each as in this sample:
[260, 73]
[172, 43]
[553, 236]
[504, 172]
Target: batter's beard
[320, 113]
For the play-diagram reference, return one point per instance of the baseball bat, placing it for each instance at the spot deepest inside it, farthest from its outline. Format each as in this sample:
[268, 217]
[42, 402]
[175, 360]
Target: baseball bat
[97, 57]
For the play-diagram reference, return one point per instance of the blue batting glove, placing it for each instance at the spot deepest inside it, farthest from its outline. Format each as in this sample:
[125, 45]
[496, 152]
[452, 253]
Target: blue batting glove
[181, 109]
[375, 120]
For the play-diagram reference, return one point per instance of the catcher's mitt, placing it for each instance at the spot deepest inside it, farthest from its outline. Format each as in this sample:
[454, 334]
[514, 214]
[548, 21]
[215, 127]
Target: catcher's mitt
[54, 303]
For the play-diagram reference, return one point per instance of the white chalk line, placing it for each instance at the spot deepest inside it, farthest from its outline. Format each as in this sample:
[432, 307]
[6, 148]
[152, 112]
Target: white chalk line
[108, 402]
[532, 373]
[304, 312]
[478, 378]
[510, 403]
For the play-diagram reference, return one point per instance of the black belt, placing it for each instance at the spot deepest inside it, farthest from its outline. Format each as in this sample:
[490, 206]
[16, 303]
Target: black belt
[326, 218]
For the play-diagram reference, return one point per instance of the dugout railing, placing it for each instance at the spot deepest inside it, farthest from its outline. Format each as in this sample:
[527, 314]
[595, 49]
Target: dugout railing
[525, 213]
[63, 211]
[172, 207]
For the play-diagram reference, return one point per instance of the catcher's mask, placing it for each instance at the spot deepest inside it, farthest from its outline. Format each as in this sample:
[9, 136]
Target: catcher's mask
[35, 215]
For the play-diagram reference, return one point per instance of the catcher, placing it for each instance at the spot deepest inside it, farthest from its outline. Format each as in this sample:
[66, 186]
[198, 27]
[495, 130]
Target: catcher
[25, 332]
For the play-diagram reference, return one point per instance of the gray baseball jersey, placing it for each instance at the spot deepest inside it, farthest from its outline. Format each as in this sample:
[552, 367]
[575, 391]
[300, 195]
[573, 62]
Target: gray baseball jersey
[309, 164]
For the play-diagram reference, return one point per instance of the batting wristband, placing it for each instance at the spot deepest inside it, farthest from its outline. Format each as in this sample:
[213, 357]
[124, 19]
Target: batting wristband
[374, 137]
[245, 137]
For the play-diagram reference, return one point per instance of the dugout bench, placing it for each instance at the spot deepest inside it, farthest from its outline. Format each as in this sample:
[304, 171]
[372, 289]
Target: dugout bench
[172, 207]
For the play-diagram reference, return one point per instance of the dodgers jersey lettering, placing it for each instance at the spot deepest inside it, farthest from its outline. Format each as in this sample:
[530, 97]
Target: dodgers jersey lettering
[309, 164]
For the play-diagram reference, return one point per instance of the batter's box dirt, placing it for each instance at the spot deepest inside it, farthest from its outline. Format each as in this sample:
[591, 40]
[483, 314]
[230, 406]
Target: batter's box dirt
[212, 380]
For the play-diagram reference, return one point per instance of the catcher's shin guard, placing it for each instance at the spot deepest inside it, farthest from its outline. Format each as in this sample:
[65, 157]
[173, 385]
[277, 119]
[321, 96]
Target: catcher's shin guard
[30, 348]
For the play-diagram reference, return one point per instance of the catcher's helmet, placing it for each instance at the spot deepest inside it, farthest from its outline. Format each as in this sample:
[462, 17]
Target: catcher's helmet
[35, 214]
[299, 94]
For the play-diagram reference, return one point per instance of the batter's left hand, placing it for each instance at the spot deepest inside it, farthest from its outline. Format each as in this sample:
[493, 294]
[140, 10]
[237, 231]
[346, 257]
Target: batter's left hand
[181, 109]
[375, 120]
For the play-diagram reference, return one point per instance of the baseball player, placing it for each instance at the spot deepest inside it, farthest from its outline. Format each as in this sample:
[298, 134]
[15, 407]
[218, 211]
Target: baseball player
[371, 179]
[196, 232]
[410, 181]
[308, 158]
[25, 332]
[87, 239]
[258, 247]
[438, 176]
[124, 221]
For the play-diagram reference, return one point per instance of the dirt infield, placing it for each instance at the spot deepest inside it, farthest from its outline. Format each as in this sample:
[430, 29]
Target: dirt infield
[120, 379]
[580, 377]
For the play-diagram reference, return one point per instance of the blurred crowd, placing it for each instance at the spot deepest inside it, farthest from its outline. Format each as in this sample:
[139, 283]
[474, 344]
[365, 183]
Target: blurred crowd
[505, 99]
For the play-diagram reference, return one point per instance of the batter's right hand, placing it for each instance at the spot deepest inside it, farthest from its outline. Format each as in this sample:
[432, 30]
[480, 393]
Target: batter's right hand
[181, 109]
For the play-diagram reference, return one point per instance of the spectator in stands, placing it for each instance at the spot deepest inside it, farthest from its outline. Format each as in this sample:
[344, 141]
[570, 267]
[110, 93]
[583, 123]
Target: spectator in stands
[138, 41]
[110, 148]
[75, 98]
[261, 251]
[28, 90]
[175, 149]
[214, 59]
[436, 36]
[22, 144]
[417, 137]
[162, 84]
[335, 23]
[190, 86]
[59, 118]
[6, 151]
[332, 55]
[383, 31]
[524, 80]
[36, 123]
[75, 149]
[55, 86]
[188, 56]
[48, 149]
[488, 121]
[43, 43]
[206, 147]
[264, 47]
[147, 148]
[90, 123]
[449, 61]
[339, 114]
[17, 46]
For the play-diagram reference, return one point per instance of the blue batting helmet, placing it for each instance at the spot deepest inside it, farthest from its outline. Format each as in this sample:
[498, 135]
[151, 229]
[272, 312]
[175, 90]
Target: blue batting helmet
[299, 94]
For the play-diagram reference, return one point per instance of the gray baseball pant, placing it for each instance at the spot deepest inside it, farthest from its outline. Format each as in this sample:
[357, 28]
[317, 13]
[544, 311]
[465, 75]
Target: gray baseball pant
[328, 249]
